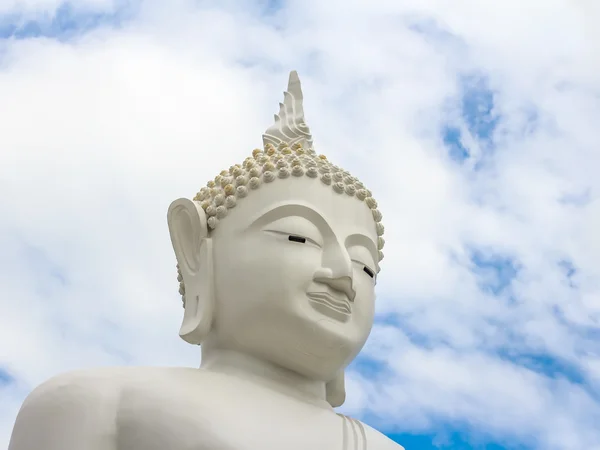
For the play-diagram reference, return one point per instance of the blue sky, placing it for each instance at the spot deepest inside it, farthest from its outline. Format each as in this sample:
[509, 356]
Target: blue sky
[66, 22]
[474, 127]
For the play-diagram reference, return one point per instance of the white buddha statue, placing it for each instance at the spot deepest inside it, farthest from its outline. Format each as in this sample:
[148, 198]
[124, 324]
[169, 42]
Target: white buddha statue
[277, 259]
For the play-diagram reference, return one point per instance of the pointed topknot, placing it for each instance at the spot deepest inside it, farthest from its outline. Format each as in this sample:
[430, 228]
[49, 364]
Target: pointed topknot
[290, 125]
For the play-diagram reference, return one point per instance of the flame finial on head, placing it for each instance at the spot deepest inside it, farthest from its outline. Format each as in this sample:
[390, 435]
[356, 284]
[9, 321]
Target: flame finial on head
[290, 126]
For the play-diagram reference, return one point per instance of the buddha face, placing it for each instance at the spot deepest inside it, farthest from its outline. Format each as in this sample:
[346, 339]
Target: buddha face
[295, 266]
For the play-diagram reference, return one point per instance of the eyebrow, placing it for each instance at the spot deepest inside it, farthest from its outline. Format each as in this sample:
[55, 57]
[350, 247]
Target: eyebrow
[289, 210]
[365, 241]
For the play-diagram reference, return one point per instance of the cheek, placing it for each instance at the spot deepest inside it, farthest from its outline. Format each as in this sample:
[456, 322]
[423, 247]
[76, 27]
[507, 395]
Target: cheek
[288, 259]
[364, 304]
[263, 267]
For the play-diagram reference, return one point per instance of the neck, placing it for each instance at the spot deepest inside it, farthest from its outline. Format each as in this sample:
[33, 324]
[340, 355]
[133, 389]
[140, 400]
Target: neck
[264, 373]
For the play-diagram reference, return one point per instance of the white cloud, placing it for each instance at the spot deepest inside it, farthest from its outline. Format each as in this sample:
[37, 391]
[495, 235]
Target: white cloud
[100, 133]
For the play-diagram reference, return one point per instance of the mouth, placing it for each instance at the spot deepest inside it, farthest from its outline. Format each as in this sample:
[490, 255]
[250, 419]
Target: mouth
[337, 308]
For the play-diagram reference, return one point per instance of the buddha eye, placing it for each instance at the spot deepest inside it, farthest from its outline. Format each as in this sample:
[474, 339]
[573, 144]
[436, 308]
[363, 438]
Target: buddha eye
[299, 239]
[369, 272]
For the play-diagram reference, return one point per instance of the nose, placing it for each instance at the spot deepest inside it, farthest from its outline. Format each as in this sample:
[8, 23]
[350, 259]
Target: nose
[342, 284]
[336, 271]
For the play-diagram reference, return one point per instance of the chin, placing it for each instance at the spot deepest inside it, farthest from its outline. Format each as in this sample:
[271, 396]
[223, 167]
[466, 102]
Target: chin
[332, 335]
[300, 339]
[322, 347]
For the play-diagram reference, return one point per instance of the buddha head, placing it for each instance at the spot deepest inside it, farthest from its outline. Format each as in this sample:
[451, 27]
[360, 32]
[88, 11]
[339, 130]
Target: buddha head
[278, 256]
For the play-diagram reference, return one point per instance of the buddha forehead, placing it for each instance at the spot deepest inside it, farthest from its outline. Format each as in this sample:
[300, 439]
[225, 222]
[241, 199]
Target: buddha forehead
[307, 199]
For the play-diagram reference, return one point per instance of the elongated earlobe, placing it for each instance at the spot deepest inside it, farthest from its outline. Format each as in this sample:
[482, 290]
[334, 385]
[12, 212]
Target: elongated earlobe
[335, 390]
[193, 250]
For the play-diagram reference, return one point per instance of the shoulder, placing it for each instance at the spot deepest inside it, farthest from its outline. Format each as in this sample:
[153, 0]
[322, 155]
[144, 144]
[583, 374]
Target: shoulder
[356, 431]
[75, 389]
[378, 441]
[72, 410]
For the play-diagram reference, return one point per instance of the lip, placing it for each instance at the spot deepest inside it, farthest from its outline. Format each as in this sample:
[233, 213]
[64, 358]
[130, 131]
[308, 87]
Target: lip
[335, 307]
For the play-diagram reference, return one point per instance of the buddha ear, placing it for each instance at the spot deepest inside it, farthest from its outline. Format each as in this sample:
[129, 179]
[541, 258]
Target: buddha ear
[335, 390]
[193, 249]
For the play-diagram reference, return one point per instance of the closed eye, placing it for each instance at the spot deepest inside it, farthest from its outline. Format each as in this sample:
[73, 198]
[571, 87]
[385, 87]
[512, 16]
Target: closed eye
[295, 238]
[365, 268]
[299, 239]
